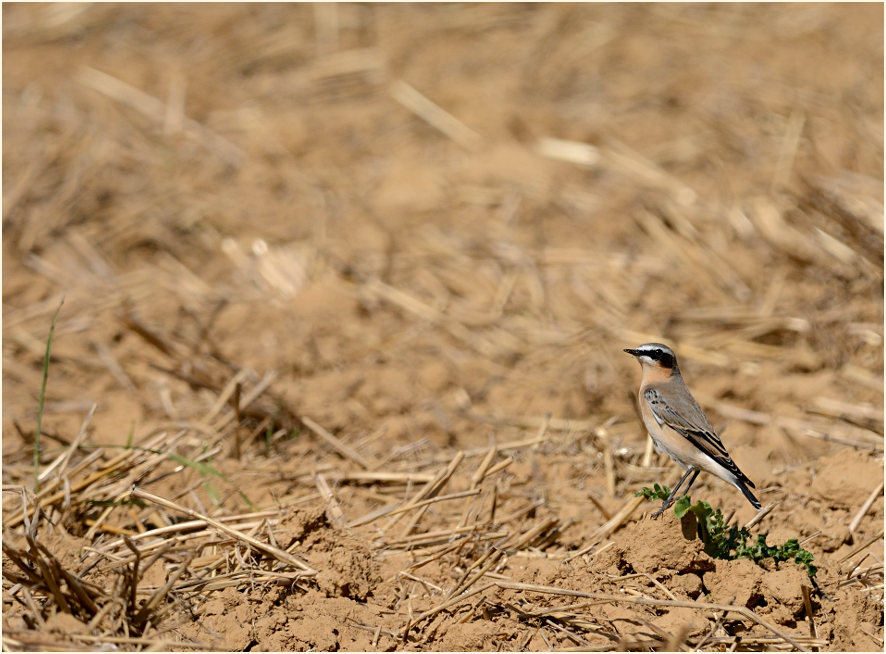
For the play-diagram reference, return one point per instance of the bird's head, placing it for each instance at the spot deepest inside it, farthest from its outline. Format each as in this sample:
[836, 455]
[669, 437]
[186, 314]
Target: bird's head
[655, 356]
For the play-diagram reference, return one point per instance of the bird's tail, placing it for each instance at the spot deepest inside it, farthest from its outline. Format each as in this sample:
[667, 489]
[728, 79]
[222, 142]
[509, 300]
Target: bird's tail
[743, 487]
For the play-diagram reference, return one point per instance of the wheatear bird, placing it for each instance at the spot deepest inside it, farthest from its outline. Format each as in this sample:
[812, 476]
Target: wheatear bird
[678, 426]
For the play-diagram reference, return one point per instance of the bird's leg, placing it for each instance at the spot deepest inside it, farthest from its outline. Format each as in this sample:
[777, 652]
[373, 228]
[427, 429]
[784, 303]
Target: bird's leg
[670, 499]
[689, 485]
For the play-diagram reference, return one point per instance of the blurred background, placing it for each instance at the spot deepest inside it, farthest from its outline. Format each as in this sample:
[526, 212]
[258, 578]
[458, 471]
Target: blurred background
[412, 211]
[429, 228]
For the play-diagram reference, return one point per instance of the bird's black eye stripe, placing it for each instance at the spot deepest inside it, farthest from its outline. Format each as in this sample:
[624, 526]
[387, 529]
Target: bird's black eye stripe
[666, 359]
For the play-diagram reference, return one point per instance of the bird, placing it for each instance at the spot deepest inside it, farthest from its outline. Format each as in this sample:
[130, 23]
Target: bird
[679, 427]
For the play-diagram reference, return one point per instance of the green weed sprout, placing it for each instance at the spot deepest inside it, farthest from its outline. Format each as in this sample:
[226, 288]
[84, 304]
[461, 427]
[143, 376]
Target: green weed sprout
[42, 398]
[723, 542]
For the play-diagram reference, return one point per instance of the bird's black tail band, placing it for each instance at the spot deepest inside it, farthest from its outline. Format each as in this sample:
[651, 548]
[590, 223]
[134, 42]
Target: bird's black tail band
[748, 494]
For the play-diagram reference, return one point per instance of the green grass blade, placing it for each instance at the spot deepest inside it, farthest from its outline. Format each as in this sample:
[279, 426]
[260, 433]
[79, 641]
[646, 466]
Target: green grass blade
[206, 470]
[42, 398]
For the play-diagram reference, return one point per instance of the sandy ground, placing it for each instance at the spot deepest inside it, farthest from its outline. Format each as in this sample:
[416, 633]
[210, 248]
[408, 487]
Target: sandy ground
[354, 281]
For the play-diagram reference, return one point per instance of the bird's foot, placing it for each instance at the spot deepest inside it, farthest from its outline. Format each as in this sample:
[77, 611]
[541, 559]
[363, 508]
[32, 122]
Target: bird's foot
[663, 508]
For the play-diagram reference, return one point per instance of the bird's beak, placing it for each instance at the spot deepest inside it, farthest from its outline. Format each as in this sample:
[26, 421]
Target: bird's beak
[635, 353]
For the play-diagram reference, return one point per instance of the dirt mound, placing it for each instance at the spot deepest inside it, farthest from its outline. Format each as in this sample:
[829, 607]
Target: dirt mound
[669, 544]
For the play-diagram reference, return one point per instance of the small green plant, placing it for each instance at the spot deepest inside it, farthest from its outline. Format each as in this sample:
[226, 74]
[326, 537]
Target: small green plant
[204, 469]
[724, 542]
[655, 493]
[42, 398]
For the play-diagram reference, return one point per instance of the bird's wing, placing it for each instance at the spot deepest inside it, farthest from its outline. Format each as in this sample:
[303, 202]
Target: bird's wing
[691, 422]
